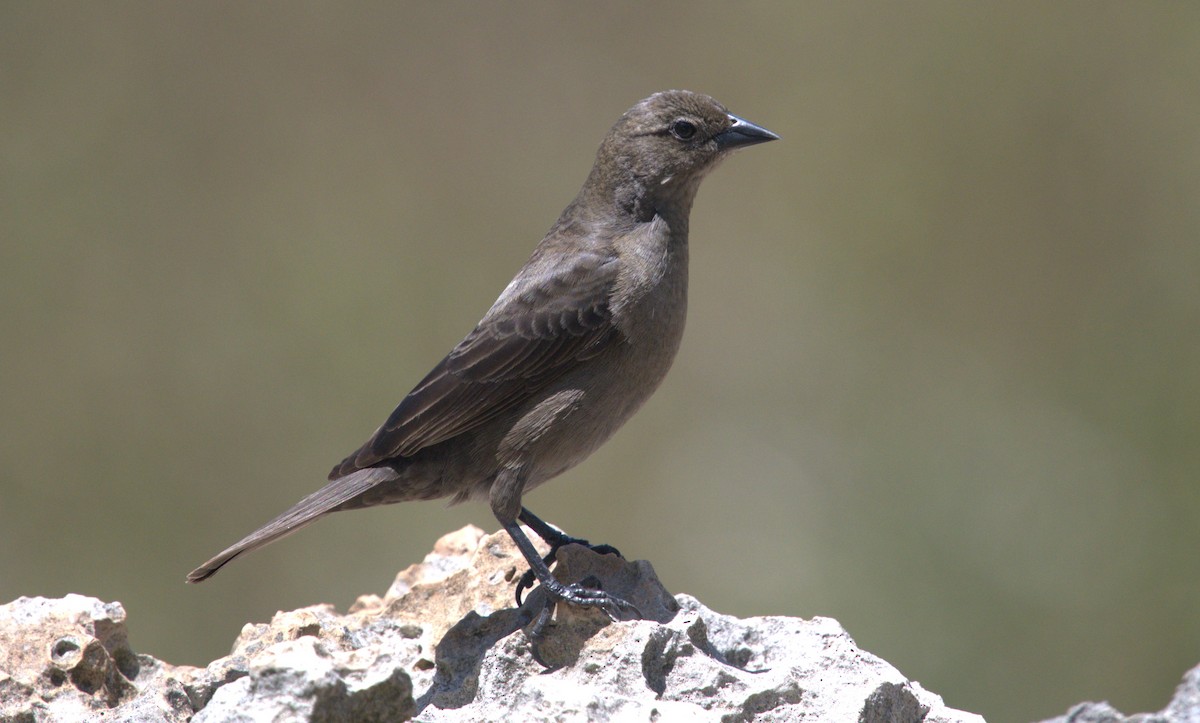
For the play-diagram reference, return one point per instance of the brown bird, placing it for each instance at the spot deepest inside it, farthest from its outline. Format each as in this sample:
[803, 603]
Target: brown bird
[579, 339]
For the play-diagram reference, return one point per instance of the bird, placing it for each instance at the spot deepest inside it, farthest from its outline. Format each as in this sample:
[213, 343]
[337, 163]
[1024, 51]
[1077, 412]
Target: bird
[574, 345]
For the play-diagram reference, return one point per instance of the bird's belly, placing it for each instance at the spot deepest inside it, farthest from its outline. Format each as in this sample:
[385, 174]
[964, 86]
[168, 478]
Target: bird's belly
[584, 409]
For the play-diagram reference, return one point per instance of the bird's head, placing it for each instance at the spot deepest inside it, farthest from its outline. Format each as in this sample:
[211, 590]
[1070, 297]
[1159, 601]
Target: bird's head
[658, 152]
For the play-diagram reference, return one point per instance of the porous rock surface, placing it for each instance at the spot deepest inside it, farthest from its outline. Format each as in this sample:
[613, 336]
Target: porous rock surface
[1183, 708]
[445, 644]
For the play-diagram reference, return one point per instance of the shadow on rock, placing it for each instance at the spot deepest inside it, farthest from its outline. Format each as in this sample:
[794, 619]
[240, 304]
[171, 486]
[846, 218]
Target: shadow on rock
[461, 653]
[445, 645]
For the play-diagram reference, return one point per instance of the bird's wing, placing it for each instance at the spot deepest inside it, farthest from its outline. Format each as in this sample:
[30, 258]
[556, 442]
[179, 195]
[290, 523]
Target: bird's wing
[553, 314]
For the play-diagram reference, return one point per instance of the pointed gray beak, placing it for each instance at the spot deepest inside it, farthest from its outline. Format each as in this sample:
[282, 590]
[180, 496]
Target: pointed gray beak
[742, 133]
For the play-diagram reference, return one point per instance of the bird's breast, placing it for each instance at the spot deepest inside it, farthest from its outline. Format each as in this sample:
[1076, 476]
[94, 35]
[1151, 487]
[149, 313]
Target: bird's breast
[649, 309]
[649, 299]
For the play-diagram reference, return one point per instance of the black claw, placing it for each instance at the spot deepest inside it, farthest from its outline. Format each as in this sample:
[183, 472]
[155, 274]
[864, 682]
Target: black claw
[525, 583]
[535, 634]
[527, 580]
[556, 539]
[584, 594]
[604, 550]
[587, 593]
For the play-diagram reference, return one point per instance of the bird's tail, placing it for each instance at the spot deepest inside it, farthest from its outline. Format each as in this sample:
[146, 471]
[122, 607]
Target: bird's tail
[318, 504]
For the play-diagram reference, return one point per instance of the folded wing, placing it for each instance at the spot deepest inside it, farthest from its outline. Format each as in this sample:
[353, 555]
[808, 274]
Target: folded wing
[546, 320]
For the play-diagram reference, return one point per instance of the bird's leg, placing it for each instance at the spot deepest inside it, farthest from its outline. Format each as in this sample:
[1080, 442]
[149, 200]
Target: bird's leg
[576, 593]
[555, 538]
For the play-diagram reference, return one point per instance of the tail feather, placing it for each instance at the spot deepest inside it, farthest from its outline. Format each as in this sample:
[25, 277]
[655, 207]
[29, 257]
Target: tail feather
[307, 510]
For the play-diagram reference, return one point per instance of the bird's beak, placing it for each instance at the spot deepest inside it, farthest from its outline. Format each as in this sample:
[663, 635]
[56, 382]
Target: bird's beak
[742, 133]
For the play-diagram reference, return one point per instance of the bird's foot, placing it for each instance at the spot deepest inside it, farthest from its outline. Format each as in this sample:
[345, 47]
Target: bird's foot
[556, 538]
[560, 540]
[585, 593]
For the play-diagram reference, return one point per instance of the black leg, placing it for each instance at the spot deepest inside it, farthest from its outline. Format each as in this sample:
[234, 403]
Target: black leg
[576, 594]
[556, 538]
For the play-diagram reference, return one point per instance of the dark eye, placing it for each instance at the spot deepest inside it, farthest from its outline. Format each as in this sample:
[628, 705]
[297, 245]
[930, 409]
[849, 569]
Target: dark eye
[683, 130]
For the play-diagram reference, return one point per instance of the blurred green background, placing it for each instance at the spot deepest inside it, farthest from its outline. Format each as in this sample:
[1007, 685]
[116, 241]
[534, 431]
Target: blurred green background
[941, 379]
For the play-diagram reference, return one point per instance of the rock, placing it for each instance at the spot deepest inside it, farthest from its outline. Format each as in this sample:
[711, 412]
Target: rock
[68, 658]
[445, 644]
[1184, 708]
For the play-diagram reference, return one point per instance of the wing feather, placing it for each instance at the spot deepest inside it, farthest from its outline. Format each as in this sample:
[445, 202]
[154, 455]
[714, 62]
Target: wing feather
[545, 321]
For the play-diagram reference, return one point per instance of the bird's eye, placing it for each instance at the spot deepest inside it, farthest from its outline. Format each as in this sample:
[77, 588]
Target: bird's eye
[683, 130]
